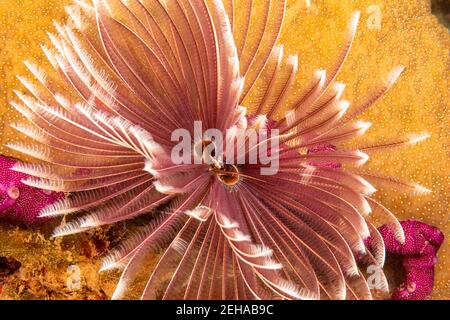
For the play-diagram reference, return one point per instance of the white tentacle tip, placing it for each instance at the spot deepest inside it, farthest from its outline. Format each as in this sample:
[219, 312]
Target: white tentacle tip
[272, 265]
[166, 189]
[369, 189]
[320, 74]
[416, 138]
[107, 267]
[394, 75]
[343, 106]
[420, 190]
[364, 157]
[201, 213]
[148, 166]
[260, 122]
[121, 287]
[363, 126]
[354, 20]
[66, 230]
[239, 236]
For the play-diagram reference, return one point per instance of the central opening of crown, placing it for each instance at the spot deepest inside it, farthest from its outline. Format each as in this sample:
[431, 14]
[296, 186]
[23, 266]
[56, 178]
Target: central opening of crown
[228, 174]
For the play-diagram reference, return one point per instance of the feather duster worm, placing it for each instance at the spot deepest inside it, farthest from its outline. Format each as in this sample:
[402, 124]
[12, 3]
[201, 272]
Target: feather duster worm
[132, 72]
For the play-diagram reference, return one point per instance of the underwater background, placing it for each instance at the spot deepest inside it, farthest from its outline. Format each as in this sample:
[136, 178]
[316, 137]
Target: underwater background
[413, 33]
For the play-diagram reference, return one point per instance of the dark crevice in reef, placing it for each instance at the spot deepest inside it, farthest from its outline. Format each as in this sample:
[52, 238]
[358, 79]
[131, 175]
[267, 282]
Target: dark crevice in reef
[394, 270]
[441, 9]
[8, 266]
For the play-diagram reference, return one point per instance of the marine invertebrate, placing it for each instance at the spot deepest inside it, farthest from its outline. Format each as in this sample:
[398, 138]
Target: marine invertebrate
[418, 253]
[18, 201]
[324, 148]
[228, 231]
